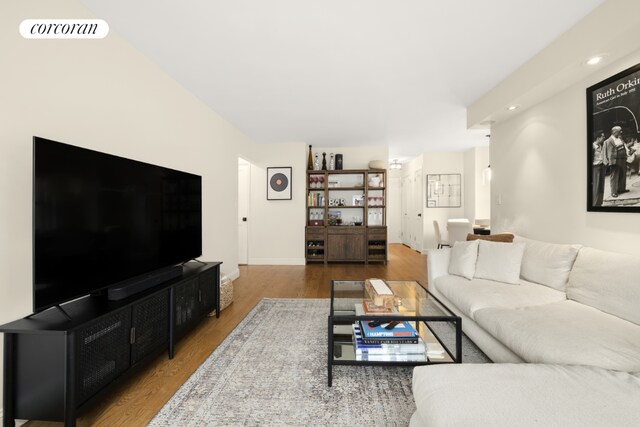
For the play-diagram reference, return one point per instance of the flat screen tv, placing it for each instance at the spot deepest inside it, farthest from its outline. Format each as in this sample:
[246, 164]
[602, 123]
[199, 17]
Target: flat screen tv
[100, 220]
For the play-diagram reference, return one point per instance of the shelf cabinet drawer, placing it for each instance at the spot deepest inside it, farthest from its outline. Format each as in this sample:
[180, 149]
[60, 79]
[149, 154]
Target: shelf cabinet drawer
[346, 230]
[377, 233]
[315, 233]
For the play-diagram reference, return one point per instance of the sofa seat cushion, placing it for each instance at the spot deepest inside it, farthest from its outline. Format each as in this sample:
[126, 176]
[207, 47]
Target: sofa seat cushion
[470, 296]
[567, 333]
[524, 395]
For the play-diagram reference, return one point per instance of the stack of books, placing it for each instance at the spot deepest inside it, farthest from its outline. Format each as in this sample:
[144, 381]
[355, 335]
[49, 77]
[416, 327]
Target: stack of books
[376, 343]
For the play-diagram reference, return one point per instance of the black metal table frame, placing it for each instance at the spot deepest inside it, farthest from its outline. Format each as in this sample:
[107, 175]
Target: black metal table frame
[332, 320]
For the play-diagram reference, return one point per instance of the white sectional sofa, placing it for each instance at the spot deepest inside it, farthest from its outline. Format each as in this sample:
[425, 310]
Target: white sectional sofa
[573, 317]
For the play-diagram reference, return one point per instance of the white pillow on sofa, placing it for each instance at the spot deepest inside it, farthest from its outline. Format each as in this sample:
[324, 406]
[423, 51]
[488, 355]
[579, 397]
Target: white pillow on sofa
[547, 263]
[499, 261]
[463, 259]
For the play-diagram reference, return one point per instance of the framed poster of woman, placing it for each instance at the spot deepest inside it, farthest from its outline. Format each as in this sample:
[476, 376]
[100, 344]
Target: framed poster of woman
[613, 132]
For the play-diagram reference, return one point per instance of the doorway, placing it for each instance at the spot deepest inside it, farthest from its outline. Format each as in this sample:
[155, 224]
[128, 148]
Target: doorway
[412, 210]
[244, 193]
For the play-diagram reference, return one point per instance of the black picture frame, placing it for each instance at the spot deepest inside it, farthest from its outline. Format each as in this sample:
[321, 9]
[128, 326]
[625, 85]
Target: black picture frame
[612, 186]
[444, 190]
[279, 183]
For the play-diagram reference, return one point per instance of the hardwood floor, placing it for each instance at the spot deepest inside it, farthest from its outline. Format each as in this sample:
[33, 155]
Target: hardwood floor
[136, 400]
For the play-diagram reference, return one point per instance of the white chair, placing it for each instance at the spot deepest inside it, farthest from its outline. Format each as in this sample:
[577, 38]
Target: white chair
[458, 230]
[441, 243]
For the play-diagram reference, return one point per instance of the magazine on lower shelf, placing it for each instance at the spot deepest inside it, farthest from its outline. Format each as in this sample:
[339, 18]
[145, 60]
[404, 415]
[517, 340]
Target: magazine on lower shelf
[392, 357]
[401, 333]
[363, 349]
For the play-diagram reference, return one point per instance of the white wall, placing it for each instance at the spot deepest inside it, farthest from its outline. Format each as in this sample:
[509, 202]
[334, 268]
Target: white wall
[103, 95]
[469, 184]
[276, 227]
[539, 162]
[483, 187]
[477, 193]
[441, 163]
[394, 204]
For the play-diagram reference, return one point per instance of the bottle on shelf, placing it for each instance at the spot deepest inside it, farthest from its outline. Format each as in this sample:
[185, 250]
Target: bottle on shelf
[310, 160]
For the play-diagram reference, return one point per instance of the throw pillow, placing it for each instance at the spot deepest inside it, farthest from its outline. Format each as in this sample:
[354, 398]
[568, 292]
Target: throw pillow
[499, 261]
[547, 263]
[462, 261]
[501, 237]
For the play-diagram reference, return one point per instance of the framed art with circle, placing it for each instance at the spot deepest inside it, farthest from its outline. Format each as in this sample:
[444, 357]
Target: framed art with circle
[279, 183]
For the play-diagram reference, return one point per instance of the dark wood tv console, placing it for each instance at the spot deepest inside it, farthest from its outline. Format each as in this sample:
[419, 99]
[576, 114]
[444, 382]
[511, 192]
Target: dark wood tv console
[54, 367]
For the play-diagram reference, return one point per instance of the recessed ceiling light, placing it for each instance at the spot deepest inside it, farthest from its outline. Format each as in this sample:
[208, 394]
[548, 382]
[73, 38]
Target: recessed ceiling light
[513, 107]
[594, 60]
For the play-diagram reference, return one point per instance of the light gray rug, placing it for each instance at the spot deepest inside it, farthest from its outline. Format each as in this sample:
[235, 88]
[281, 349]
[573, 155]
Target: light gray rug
[272, 370]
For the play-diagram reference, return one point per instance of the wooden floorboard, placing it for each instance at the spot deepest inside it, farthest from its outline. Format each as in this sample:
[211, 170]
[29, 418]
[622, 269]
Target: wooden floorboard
[136, 400]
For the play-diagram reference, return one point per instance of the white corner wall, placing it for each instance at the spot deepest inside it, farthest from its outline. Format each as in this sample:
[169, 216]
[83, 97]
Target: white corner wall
[276, 227]
[394, 206]
[103, 95]
[482, 187]
[539, 165]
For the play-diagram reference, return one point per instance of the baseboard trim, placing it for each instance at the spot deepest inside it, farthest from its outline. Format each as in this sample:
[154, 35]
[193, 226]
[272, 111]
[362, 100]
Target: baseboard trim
[18, 422]
[276, 261]
[231, 276]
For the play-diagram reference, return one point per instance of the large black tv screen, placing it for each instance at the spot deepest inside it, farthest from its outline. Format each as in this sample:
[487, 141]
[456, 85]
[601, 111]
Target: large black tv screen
[100, 219]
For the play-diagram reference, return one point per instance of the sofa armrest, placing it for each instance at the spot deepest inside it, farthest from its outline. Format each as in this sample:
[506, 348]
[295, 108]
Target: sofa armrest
[437, 263]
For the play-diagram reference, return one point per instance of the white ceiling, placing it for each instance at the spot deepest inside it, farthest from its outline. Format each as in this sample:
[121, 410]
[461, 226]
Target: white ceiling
[343, 72]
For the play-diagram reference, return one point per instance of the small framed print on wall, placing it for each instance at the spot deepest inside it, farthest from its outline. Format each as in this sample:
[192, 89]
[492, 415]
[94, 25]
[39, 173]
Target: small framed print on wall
[279, 183]
[444, 190]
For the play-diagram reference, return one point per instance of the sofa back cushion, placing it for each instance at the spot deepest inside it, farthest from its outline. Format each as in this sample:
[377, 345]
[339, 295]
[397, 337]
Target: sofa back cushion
[499, 261]
[463, 259]
[548, 264]
[607, 281]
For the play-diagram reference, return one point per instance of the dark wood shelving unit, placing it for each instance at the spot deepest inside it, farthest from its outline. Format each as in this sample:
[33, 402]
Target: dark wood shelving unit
[325, 240]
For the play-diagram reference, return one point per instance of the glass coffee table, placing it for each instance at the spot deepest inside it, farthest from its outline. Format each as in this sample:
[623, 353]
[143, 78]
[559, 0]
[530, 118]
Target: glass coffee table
[439, 330]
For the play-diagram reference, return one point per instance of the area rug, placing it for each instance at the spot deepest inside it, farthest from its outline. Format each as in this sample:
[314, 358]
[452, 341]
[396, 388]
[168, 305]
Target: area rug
[272, 370]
